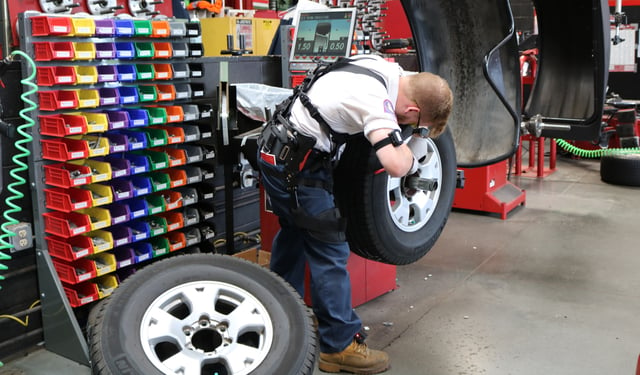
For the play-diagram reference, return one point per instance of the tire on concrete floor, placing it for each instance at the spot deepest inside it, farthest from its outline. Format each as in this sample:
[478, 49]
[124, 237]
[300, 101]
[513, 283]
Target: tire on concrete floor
[202, 314]
[386, 220]
[620, 169]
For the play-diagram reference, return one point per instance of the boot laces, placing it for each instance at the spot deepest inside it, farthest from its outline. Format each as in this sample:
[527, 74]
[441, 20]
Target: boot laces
[361, 346]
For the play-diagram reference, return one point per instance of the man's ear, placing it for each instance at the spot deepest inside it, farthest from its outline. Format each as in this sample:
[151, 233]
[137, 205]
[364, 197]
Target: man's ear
[412, 108]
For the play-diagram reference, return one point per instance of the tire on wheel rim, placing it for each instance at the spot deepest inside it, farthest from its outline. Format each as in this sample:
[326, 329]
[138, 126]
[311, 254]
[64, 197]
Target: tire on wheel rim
[388, 220]
[202, 313]
[620, 169]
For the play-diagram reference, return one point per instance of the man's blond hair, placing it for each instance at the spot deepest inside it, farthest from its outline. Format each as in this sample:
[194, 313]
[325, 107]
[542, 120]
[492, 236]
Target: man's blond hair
[434, 98]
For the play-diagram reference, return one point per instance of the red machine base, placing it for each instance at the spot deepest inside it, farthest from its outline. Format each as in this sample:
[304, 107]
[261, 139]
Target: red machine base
[487, 189]
[369, 279]
[536, 166]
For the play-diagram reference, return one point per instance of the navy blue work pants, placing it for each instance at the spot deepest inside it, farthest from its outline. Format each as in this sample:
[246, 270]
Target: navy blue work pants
[293, 247]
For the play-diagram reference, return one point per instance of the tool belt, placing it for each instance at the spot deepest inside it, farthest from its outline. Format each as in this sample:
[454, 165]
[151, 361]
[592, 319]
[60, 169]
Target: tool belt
[288, 147]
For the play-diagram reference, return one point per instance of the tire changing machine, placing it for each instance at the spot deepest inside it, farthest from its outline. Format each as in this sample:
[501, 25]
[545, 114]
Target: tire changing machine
[486, 189]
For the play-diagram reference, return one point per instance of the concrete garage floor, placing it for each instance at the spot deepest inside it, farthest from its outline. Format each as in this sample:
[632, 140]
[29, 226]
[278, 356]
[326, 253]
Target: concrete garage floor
[554, 289]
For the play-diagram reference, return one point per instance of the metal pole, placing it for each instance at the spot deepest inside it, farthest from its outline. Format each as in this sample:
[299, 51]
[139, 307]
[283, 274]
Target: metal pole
[6, 28]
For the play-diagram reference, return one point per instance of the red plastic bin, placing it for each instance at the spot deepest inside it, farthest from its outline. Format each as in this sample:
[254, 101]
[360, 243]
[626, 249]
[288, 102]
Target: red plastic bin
[174, 134]
[162, 50]
[58, 99]
[163, 71]
[175, 113]
[175, 220]
[66, 175]
[166, 92]
[69, 249]
[66, 224]
[55, 75]
[48, 51]
[176, 156]
[67, 200]
[46, 25]
[64, 149]
[177, 177]
[62, 125]
[177, 241]
[81, 294]
[172, 199]
[160, 29]
[76, 272]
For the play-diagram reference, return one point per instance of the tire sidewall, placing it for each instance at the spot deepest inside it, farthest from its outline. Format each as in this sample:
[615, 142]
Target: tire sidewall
[362, 195]
[412, 245]
[121, 343]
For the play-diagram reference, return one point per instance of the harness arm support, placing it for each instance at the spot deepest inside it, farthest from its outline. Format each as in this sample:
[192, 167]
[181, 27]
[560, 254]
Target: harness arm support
[397, 161]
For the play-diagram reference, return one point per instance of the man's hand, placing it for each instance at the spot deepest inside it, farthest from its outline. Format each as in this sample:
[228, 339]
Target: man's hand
[420, 149]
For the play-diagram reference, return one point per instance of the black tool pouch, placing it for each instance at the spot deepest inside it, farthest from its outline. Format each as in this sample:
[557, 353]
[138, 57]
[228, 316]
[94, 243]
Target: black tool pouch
[289, 147]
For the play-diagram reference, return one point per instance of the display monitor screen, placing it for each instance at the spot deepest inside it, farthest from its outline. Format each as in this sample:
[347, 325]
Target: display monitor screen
[323, 34]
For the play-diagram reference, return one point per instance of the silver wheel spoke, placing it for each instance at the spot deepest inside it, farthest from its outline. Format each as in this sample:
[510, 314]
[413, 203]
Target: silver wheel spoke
[163, 326]
[411, 209]
[245, 317]
[201, 300]
[241, 357]
[186, 362]
[401, 211]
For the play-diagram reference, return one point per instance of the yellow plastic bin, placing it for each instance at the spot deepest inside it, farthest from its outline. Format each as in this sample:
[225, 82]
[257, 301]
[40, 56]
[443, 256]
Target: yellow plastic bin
[100, 194]
[86, 75]
[84, 50]
[88, 98]
[100, 170]
[101, 240]
[98, 217]
[83, 26]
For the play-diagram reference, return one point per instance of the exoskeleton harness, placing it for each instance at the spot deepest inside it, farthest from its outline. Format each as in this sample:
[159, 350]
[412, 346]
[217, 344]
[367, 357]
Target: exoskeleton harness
[280, 138]
[295, 151]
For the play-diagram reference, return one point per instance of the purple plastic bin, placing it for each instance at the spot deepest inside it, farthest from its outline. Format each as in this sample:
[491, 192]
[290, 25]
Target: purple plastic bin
[107, 73]
[105, 50]
[122, 189]
[117, 119]
[105, 27]
[120, 167]
[121, 235]
[124, 257]
[109, 96]
[117, 143]
[119, 213]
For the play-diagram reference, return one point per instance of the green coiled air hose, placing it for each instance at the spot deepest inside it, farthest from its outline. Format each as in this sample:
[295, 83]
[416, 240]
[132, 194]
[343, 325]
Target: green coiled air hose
[17, 159]
[594, 153]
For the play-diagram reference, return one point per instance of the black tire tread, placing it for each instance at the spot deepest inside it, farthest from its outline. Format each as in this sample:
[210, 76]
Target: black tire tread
[99, 364]
[620, 169]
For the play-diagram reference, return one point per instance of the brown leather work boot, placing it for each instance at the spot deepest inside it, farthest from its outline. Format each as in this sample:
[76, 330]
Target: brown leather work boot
[357, 358]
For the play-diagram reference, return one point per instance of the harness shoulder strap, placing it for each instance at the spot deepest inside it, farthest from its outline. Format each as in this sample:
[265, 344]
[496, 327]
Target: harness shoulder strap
[342, 64]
